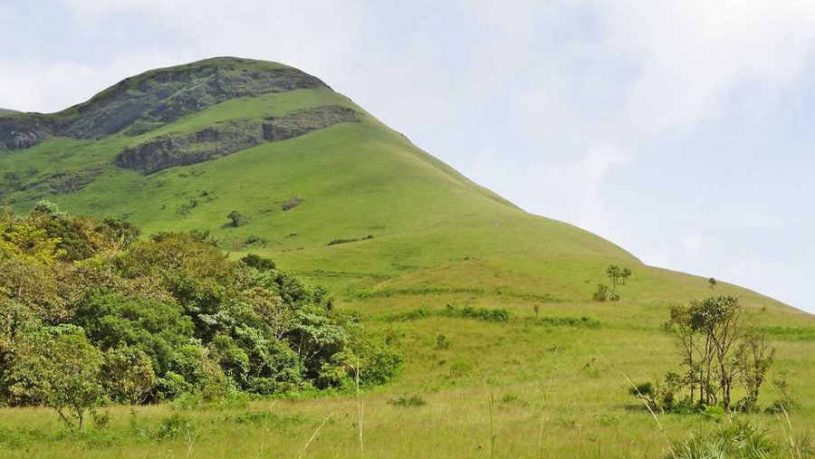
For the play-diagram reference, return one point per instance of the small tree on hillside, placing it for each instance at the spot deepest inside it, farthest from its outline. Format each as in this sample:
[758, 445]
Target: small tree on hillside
[754, 357]
[718, 352]
[624, 275]
[617, 276]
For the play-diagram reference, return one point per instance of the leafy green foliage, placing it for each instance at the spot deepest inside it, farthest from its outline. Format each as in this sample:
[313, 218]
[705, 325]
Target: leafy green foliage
[719, 352]
[142, 321]
[56, 367]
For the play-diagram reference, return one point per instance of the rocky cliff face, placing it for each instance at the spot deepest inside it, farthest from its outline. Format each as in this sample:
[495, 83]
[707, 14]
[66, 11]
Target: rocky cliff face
[228, 137]
[145, 102]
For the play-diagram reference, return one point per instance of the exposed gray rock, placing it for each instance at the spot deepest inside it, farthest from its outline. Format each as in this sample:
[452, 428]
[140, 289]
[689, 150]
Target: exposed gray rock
[228, 137]
[17, 133]
[145, 102]
[304, 121]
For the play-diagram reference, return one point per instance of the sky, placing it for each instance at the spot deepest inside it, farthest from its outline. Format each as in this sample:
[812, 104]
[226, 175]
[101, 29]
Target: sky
[681, 130]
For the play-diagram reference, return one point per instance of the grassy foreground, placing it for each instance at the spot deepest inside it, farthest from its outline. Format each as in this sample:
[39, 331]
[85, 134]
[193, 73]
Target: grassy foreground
[551, 386]
[539, 389]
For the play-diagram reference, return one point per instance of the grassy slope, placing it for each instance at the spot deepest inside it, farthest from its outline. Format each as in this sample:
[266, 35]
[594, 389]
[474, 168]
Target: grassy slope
[438, 239]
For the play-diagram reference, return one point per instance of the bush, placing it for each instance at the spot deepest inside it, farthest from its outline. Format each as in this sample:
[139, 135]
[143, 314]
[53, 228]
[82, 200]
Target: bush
[258, 262]
[291, 203]
[236, 219]
[173, 427]
[442, 342]
[739, 440]
[602, 293]
[489, 315]
[407, 401]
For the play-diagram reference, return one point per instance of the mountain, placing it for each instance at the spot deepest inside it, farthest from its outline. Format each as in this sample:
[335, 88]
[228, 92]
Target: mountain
[271, 160]
[180, 148]
[5, 111]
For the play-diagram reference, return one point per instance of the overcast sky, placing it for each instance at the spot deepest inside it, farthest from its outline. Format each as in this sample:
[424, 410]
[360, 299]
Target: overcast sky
[681, 130]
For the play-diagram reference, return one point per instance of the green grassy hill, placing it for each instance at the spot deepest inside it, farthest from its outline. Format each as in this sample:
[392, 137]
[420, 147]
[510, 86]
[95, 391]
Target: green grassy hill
[334, 195]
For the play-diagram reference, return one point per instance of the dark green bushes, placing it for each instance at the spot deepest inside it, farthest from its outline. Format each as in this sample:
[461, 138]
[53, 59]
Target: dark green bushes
[144, 321]
[485, 314]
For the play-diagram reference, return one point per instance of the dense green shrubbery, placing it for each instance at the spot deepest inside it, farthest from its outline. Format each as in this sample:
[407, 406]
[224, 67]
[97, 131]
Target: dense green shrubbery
[89, 313]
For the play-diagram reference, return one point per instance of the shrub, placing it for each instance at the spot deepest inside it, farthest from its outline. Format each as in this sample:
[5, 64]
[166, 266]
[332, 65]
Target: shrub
[101, 419]
[291, 203]
[602, 293]
[380, 364]
[442, 342]
[173, 427]
[407, 401]
[258, 262]
[236, 219]
[739, 440]
[489, 315]
[345, 241]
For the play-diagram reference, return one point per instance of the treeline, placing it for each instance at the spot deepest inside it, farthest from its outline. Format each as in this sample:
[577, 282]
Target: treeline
[91, 314]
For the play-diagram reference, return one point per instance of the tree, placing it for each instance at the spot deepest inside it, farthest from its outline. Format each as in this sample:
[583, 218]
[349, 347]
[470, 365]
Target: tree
[754, 357]
[712, 283]
[90, 312]
[64, 367]
[128, 375]
[624, 275]
[719, 318]
[236, 218]
[719, 351]
[617, 276]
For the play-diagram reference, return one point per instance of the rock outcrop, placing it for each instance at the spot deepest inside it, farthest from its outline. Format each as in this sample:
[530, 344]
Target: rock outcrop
[228, 137]
[145, 102]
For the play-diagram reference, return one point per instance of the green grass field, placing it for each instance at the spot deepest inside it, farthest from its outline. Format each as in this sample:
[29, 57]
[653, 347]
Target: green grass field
[523, 388]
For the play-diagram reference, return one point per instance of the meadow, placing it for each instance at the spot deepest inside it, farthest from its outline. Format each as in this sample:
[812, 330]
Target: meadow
[513, 389]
